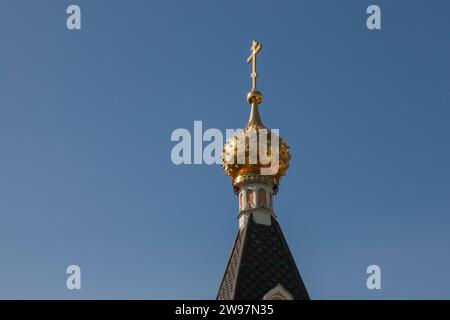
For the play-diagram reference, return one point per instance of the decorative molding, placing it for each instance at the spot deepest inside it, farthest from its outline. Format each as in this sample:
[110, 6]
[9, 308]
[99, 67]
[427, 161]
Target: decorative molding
[278, 293]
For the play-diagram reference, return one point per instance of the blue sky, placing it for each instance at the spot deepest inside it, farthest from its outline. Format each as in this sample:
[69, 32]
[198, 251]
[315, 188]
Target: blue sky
[86, 117]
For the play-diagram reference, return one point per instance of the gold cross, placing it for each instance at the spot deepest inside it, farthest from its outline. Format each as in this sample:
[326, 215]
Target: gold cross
[256, 48]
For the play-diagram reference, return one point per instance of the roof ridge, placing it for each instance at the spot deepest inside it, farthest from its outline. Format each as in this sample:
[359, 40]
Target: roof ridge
[241, 235]
[290, 256]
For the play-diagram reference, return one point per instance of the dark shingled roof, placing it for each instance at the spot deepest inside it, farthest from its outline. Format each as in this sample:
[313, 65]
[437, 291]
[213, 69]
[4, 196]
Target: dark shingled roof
[259, 261]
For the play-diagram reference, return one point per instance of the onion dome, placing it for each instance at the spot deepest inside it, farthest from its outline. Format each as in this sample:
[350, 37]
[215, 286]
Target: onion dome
[250, 155]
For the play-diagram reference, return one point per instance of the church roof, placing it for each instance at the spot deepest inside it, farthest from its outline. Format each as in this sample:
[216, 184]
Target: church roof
[260, 260]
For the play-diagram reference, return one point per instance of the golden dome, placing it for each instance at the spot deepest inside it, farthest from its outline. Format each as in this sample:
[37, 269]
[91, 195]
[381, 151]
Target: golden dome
[241, 160]
[251, 170]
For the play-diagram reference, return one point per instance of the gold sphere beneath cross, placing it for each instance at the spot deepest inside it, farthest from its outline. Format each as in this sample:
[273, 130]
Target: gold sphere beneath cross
[254, 97]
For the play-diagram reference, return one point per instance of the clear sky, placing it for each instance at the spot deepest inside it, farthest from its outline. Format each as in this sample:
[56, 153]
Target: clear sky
[86, 116]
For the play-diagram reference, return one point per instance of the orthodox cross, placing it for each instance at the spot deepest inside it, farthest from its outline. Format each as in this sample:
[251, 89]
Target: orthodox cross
[256, 48]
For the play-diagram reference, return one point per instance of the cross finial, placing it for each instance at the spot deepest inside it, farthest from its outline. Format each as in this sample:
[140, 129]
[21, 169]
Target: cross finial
[254, 97]
[256, 47]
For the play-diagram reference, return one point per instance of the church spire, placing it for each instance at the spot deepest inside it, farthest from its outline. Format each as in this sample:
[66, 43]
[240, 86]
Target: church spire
[261, 265]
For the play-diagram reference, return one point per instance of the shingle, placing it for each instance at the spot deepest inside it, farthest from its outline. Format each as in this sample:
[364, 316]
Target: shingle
[260, 259]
